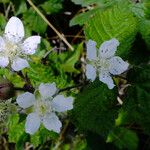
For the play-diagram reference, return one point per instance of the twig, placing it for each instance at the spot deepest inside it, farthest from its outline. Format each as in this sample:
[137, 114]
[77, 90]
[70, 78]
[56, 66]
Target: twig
[48, 22]
[72, 87]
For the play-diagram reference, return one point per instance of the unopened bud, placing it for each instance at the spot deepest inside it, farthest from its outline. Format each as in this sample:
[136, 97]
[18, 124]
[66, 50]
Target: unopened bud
[6, 89]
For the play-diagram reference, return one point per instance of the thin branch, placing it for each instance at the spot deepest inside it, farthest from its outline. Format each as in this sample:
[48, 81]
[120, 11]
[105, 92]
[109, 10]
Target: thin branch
[72, 87]
[51, 26]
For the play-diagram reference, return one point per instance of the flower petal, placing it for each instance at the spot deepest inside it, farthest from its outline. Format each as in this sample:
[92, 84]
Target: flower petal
[25, 100]
[14, 30]
[32, 123]
[30, 45]
[90, 72]
[52, 122]
[4, 61]
[19, 64]
[117, 65]
[2, 44]
[47, 90]
[106, 78]
[61, 103]
[108, 48]
[91, 50]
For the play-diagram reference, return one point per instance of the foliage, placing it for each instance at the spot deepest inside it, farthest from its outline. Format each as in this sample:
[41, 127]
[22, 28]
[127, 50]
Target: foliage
[100, 108]
[115, 22]
[137, 102]
[97, 120]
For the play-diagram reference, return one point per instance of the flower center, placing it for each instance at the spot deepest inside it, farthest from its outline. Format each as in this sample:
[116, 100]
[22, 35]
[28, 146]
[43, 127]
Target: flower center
[101, 64]
[43, 107]
[11, 49]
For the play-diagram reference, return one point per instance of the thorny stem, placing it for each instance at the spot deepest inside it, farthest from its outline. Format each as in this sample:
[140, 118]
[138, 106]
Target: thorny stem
[51, 26]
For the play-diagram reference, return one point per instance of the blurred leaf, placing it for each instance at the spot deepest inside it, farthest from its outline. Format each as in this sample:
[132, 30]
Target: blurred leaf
[138, 10]
[147, 8]
[123, 138]
[2, 23]
[116, 22]
[81, 18]
[140, 52]
[15, 129]
[12, 77]
[90, 2]
[95, 108]
[4, 1]
[145, 31]
[137, 100]
[69, 64]
[34, 21]
[52, 6]
[41, 136]
[20, 6]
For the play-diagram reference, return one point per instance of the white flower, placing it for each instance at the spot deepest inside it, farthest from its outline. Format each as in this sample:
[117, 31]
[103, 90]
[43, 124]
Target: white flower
[44, 108]
[104, 62]
[13, 49]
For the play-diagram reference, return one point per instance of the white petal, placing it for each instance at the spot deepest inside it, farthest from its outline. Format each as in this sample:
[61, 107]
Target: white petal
[117, 65]
[2, 44]
[19, 64]
[61, 103]
[4, 61]
[30, 45]
[108, 48]
[52, 122]
[91, 50]
[106, 78]
[25, 100]
[90, 72]
[14, 30]
[47, 90]
[32, 123]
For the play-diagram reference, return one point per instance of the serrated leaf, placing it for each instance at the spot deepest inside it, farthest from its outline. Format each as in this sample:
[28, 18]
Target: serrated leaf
[95, 108]
[115, 22]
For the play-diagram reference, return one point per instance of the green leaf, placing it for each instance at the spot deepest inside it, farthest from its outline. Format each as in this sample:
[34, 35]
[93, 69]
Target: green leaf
[41, 136]
[124, 139]
[80, 19]
[2, 23]
[34, 21]
[115, 22]
[12, 77]
[95, 108]
[4, 1]
[69, 64]
[20, 6]
[52, 6]
[137, 100]
[145, 31]
[15, 129]
[90, 2]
